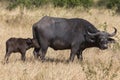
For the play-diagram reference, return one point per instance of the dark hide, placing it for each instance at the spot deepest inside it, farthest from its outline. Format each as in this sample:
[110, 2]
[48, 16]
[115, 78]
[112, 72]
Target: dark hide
[75, 34]
[19, 45]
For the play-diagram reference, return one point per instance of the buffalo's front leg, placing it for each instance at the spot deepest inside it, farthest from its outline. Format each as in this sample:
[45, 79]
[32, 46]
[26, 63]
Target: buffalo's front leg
[74, 50]
[79, 55]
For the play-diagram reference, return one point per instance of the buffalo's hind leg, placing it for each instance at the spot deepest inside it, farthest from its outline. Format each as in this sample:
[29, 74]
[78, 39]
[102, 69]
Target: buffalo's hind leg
[42, 53]
[36, 53]
[43, 49]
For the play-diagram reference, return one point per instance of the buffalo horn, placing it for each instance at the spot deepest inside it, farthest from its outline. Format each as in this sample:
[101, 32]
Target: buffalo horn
[93, 34]
[113, 34]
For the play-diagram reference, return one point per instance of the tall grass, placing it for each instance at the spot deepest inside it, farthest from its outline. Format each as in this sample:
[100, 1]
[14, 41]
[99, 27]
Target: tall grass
[72, 3]
[96, 65]
[111, 4]
[55, 3]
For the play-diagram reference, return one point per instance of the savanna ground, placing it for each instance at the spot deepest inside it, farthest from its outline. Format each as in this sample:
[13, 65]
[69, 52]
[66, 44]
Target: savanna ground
[97, 64]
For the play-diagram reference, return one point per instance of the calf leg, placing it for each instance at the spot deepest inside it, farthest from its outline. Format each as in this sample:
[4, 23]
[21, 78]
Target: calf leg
[7, 55]
[23, 55]
[36, 52]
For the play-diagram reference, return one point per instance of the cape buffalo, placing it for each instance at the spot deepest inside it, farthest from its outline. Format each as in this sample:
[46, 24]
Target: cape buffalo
[19, 45]
[76, 34]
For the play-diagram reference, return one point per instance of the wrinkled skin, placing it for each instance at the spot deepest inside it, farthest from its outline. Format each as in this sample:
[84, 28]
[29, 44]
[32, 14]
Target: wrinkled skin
[75, 34]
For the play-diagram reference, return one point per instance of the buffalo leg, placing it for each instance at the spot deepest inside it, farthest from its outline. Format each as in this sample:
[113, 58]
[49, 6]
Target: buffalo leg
[36, 52]
[43, 49]
[74, 50]
[79, 55]
[42, 53]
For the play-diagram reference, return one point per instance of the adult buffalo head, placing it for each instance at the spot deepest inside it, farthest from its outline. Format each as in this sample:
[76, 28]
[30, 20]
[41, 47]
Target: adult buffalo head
[102, 38]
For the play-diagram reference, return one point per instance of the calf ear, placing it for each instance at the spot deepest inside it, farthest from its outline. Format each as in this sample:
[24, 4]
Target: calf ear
[36, 44]
[110, 40]
[29, 41]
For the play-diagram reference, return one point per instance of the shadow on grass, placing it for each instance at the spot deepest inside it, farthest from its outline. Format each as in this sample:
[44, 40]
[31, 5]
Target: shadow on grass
[64, 61]
[55, 60]
[47, 59]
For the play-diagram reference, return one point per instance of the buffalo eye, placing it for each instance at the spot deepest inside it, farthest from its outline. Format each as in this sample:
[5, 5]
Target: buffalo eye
[103, 40]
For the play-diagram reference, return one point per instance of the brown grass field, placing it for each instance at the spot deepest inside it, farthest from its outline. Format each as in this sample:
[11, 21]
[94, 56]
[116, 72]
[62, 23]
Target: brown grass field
[97, 64]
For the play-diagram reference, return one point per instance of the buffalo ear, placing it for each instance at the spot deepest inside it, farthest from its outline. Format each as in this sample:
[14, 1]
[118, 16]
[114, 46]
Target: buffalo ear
[110, 40]
[90, 39]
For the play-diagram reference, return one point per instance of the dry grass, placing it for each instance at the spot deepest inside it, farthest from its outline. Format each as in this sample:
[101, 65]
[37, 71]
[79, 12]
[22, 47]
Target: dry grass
[97, 64]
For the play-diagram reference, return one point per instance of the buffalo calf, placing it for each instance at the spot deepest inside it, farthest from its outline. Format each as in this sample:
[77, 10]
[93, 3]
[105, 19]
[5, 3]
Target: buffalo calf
[19, 45]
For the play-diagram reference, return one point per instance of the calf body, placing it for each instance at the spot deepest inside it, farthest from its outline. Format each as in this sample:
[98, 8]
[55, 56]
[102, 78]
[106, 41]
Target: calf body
[19, 45]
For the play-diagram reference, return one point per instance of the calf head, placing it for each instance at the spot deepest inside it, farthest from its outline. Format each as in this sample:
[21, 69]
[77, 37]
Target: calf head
[102, 38]
[32, 43]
